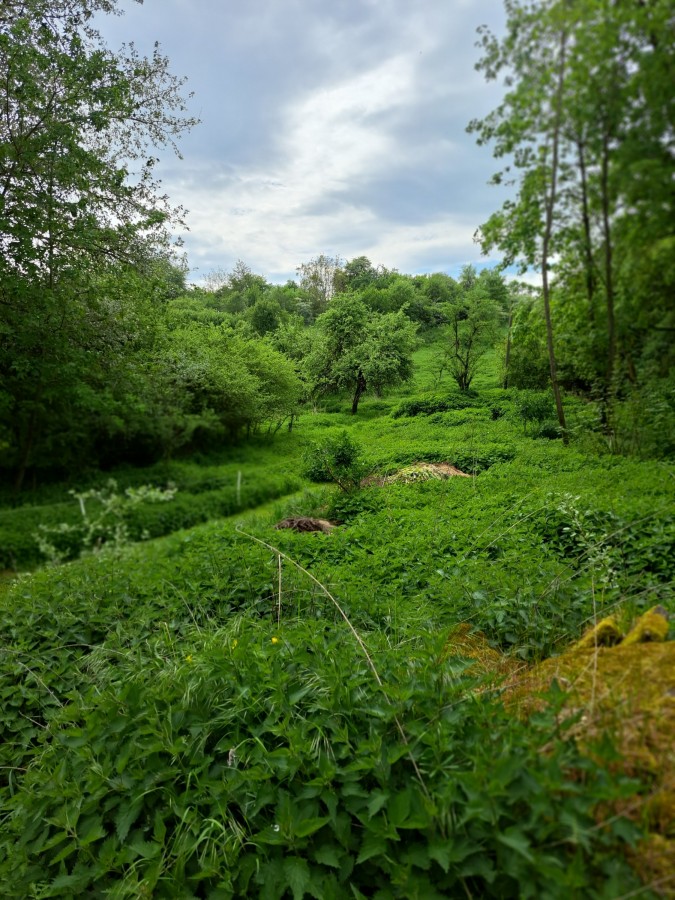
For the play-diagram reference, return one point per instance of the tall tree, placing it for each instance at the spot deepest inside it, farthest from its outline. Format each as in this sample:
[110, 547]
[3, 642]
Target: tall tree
[603, 112]
[527, 126]
[473, 321]
[78, 193]
[317, 278]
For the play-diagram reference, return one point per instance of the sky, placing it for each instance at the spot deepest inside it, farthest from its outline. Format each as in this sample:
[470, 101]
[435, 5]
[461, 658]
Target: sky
[326, 127]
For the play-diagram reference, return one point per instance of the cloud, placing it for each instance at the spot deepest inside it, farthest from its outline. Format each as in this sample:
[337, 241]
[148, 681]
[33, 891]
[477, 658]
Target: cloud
[327, 128]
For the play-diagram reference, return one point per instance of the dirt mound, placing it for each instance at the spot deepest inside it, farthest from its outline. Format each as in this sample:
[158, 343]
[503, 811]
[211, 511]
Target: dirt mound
[305, 523]
[418, 471]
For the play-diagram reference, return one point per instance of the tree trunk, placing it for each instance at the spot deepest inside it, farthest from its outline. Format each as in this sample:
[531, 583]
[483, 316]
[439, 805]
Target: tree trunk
[507, 357]
[25, 453]
[586, 221]
[548, 230]
[360, 390]
[609, 275]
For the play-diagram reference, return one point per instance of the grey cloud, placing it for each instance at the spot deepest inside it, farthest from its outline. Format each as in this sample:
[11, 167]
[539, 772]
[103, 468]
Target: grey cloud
[255, 67]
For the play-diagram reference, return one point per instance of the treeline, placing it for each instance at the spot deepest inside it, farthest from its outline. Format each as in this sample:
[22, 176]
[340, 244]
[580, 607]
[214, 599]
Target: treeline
[138, 365]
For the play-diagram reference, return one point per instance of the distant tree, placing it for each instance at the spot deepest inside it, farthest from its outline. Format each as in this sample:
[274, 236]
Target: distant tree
[473, 322]
[240, 290]
[468, 277]
[317, 279]
[356, 275]
[265, 316]
[358, 350]
[439, 287]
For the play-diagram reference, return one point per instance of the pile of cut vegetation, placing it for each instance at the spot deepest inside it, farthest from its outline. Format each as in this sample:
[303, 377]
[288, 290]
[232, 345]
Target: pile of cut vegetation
[418, 471]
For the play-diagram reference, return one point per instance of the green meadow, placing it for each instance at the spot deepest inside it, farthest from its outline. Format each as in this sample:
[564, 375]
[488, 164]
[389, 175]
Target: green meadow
[217, 708]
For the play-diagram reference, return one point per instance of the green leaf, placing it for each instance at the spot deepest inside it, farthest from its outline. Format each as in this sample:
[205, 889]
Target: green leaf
[145, 849]
[91, 829]
[438, 851]
[398, 809]
[480, 864]
[516, 840]
[309, 826]
[328, 855]
[159, 828]
[297, 875]
[372, 845]
[126, 816]
[378, 800]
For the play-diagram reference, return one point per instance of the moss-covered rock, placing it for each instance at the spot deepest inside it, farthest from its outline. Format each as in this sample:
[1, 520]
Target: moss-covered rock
[605, 634]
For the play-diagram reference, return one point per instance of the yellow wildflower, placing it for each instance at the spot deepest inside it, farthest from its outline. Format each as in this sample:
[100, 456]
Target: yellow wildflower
[275, 640]
[234, 643]
[189, 658]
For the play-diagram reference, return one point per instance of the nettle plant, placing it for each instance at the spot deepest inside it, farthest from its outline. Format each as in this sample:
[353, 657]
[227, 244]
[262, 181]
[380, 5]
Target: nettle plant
[260, 762]
[103, 526]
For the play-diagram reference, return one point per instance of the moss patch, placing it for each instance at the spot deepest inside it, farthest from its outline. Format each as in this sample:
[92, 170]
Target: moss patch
[628, 692]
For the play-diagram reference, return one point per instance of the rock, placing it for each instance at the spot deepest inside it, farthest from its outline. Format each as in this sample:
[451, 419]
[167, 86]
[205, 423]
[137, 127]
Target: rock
[605, 634]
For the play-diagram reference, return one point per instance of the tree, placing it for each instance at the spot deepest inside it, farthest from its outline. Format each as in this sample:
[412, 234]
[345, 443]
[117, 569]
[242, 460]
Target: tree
[586, 126]
[317, 279]
[356, 275]
[528, 125]
[77, 195]
[359, 349]
[473, 321]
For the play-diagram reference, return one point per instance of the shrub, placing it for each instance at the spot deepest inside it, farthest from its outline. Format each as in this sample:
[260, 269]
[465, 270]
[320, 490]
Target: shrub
[549, 429]
[269, 763]
[337, 459]
[426, 406]
[534, 406]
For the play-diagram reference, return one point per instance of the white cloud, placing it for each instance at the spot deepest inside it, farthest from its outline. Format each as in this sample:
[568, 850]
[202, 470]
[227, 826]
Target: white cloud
[336, 129]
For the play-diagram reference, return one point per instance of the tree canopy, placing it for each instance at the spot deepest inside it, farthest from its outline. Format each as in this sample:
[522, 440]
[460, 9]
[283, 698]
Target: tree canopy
[584, 132]
[359, 350]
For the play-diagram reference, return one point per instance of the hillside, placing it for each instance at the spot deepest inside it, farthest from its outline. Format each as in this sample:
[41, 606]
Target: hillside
[226, 709]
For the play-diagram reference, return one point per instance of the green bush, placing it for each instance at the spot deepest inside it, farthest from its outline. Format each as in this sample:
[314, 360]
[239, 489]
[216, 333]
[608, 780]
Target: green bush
[337, 459]
[426, 406]
[549, 429]
[534, 406]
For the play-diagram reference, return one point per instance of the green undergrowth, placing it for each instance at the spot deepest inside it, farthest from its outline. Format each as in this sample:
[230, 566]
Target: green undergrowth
[204, 492]
[265, 760]
[191, 716]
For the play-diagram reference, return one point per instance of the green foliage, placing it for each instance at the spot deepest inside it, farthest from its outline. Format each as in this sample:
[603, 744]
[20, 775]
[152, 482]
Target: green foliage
[338, 460]
[359, 350]
[584, 129]
[204, 493]
[194, 717]
[473, 320]
[81, 207]
[426, 406]
[259, 762]
[104, 529]
[534, 406]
